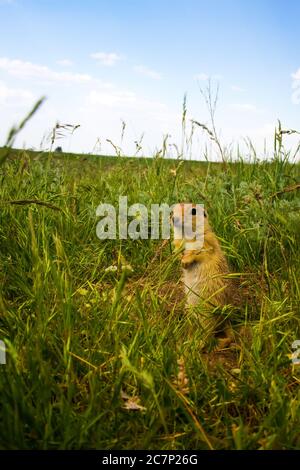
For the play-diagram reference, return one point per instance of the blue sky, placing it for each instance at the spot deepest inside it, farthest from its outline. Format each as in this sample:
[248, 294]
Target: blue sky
[99, 62]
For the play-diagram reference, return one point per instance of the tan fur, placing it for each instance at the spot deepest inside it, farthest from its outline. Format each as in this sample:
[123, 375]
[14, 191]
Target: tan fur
[204, 274]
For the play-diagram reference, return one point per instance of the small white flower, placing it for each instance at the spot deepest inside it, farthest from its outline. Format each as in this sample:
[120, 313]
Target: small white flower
[111, 269]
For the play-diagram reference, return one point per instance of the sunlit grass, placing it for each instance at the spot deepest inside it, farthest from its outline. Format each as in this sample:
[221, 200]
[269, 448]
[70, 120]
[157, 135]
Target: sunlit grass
[81, 338]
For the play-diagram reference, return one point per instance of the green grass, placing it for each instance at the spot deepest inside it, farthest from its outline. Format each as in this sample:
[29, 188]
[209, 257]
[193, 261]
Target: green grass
[81, 339]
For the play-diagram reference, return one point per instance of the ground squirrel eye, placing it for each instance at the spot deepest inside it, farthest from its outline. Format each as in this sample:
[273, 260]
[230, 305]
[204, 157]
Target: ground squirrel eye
[205, 215]
[194, 212]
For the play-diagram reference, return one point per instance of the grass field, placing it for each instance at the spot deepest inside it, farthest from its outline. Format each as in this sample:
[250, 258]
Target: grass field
[100, 358]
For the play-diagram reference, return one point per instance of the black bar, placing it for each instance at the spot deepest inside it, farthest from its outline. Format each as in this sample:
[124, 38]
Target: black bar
[89, 459]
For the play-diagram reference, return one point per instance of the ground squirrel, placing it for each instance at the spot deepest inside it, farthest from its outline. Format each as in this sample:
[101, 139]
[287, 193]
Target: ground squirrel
[205, 268]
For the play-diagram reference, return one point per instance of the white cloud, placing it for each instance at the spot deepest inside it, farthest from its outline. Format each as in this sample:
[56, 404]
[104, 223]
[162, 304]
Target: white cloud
[65, 62]
[296, 87]
[265, 131]
[237, 88]
[246, 107]
[111, 99]
[296, 75]
[102, 110]
[97, 106]
[201, 76]
[14, 95]
[124, 100]
[143, 70]
[106, 58]
[204, 76]
[28, 70]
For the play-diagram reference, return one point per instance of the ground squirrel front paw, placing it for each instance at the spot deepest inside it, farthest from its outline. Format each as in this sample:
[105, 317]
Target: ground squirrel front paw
[188, 259]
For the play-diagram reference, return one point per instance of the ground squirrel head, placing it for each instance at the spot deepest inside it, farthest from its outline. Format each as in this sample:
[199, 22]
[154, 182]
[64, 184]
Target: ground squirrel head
[201, 243]
[190, 223]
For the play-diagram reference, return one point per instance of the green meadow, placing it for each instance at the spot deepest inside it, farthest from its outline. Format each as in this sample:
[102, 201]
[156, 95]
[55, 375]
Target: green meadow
[99, 349]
